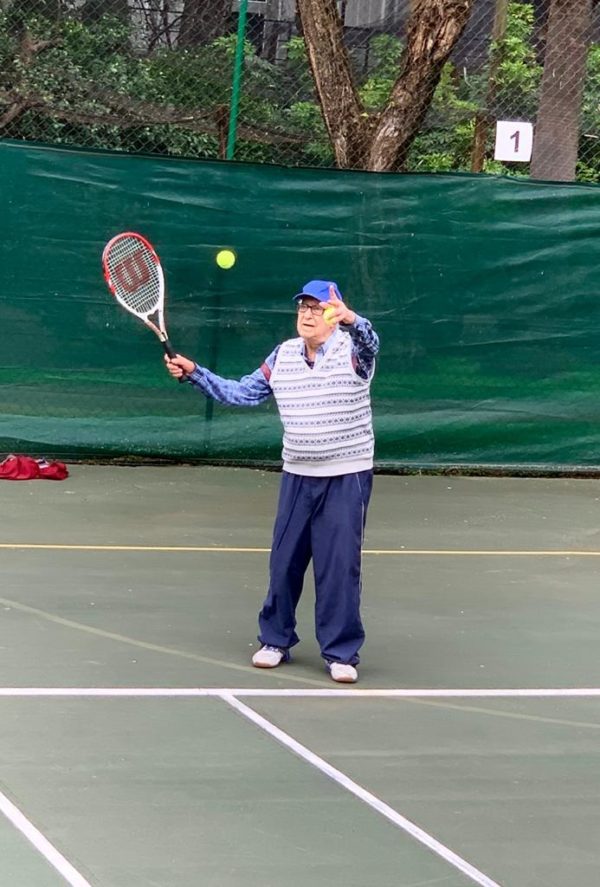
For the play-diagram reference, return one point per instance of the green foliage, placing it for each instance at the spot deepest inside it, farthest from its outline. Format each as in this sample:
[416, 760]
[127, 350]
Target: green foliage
[385, 54]
[297, 81]
[589, 165]
[517, 74]
[440, 150]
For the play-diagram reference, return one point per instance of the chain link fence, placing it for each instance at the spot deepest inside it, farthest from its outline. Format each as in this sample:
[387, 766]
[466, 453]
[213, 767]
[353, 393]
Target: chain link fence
[159, 77]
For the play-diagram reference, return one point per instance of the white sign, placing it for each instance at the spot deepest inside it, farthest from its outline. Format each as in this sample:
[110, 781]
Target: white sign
[514, 141]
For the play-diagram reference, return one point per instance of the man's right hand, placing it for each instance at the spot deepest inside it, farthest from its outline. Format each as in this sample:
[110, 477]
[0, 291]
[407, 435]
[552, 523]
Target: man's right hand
[179, 366]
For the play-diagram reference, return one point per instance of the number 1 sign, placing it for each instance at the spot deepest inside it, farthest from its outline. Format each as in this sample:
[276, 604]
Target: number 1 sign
[514, 141]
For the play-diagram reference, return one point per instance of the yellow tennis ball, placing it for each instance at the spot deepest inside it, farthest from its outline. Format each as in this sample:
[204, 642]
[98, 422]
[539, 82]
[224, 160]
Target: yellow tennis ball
[226, 259]
[328, 315]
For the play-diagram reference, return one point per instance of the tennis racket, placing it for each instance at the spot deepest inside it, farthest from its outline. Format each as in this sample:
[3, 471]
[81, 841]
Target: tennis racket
[135, 277]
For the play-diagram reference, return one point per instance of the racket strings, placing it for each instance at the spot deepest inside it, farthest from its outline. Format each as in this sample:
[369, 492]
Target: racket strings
[134, 275]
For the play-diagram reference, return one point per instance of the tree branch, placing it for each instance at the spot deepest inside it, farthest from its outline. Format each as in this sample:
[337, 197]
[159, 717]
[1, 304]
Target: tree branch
[18, 107]
[127, 113]
[29, 48]
[19, 103]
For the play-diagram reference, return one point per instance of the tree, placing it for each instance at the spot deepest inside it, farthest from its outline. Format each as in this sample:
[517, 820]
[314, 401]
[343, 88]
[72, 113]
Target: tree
[556, 142]
[382, 140]
[202, 21]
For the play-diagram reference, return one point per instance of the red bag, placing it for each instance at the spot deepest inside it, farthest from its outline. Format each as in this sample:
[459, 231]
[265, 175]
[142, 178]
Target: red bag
[27, 468]
[52, 470]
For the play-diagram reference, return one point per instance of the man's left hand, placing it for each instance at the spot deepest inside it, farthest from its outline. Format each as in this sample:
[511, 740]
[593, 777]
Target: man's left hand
[341, 313]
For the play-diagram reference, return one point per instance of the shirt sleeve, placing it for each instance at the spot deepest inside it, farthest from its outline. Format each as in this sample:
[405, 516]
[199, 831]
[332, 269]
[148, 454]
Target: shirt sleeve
[249, 391]
[365, 345]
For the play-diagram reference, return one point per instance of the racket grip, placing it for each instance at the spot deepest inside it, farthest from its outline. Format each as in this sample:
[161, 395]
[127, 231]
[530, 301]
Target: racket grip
[170, 352]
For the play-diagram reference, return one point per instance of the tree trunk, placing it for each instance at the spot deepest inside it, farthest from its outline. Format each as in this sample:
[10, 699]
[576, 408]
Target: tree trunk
[556, 142]
[379, 142]
[433, 31]
[343, 113]
[202, 21]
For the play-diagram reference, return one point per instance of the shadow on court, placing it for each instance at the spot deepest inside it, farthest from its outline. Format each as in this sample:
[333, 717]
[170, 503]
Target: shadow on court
[141, 748]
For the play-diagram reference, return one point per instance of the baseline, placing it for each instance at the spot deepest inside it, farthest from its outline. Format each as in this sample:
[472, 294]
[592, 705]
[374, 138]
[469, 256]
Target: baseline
[213, 549]
[174, 692]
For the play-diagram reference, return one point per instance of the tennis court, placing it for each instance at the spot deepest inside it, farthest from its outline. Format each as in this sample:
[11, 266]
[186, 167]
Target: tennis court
[139, 746]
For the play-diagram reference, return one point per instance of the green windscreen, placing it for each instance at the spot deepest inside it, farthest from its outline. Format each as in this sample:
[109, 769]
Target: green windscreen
[483, 291]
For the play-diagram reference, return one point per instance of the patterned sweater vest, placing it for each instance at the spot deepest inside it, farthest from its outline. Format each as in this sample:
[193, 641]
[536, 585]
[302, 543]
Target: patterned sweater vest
[325, 411]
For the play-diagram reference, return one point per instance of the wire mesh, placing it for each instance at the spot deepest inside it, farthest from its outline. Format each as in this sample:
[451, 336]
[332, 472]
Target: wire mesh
[156, 76]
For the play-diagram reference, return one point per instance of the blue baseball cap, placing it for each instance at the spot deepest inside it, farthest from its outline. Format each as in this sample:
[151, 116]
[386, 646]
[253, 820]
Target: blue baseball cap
[318, 289]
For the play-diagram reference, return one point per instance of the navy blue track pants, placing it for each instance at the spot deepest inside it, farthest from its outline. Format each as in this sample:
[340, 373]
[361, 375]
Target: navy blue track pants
[322, 518]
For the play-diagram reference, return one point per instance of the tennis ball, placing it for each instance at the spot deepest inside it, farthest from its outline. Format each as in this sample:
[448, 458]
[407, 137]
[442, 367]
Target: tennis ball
[226, 259]
[328, 315]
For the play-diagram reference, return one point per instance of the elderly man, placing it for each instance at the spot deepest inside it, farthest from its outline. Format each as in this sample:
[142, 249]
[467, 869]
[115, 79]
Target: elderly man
[321, 384]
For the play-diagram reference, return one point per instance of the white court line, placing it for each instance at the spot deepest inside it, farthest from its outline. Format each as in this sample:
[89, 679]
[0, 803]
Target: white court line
[41, 844]
[373, 801]
[214, 549]
[175, 692]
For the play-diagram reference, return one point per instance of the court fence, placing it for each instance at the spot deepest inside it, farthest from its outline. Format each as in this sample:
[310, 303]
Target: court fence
[231, 79]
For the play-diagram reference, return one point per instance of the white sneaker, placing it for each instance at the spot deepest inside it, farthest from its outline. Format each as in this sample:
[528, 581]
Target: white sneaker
[269, 657]
[342, 672]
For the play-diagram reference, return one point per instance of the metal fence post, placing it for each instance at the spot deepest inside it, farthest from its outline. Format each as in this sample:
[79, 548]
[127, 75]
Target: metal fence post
[238, 70]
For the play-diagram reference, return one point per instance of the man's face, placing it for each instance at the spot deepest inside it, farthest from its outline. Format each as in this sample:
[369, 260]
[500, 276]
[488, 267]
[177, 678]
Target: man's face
[310, 324]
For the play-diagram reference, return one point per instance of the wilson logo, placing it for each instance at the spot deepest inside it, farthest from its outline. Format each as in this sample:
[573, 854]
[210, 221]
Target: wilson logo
[132, 272]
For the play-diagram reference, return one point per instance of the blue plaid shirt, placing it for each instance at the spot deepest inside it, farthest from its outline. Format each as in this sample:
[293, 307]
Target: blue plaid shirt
[254, 389]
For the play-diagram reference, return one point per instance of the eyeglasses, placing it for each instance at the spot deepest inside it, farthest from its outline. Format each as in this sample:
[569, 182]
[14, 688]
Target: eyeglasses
[303, 307]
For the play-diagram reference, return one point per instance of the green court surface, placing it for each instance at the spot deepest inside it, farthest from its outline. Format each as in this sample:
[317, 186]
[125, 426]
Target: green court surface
[140, 748]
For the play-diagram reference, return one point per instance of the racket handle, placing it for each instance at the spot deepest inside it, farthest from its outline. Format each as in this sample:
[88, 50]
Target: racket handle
[169, 350]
